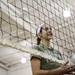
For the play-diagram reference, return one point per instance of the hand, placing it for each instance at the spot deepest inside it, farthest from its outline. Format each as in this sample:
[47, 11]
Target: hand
[66, 69]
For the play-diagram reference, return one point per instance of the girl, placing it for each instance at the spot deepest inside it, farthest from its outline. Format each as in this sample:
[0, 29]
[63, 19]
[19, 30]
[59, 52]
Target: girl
[42, 66]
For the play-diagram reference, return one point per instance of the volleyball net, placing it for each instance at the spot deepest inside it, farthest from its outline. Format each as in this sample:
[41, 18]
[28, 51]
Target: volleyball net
[19, 20]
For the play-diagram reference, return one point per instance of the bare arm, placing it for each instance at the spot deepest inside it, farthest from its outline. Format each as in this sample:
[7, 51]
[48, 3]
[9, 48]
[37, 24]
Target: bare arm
[36, 67]
[37, 71]
[64, 69]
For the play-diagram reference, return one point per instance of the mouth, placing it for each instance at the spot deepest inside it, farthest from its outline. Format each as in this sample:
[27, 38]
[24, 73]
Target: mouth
[49, 34]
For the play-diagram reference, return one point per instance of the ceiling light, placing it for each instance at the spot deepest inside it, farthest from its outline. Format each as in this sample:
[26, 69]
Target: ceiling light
[25, 9]
[66, 13]
[23, 60]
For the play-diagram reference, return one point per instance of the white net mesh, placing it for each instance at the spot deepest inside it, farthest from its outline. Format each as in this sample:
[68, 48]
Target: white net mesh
[19, 20]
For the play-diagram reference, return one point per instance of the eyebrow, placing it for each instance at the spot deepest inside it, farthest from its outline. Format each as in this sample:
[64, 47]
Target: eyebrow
[47, 28]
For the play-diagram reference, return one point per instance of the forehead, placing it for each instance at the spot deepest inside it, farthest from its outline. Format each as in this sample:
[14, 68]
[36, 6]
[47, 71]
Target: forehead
[47, 27]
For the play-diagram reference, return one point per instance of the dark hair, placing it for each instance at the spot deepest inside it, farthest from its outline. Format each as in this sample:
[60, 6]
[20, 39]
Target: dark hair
[39, 39]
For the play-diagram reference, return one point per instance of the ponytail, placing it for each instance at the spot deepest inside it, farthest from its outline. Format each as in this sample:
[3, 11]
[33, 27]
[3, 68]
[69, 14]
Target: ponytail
[38, 40]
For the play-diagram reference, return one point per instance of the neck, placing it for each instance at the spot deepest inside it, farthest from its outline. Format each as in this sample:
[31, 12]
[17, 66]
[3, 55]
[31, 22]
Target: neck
[45, 42]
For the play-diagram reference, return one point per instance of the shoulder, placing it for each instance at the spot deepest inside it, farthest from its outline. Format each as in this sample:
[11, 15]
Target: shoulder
[35, 57]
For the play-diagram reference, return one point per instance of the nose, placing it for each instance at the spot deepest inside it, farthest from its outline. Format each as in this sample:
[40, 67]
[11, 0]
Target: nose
[50, 33]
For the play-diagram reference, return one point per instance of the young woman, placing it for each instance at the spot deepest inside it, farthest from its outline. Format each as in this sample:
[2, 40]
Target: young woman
[42, 66]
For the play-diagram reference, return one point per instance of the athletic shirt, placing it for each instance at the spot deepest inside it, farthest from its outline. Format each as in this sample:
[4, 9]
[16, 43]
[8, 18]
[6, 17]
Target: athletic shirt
[46, 63]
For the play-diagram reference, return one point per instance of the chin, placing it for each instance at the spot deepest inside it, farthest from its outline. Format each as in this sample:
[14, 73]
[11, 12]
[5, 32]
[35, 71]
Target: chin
[49, 39]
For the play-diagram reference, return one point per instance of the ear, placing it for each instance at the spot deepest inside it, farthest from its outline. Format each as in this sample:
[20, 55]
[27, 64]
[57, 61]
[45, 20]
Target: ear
[39, 35]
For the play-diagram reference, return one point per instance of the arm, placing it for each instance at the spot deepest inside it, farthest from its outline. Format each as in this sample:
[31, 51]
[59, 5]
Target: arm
[37, 71]
[64, 69]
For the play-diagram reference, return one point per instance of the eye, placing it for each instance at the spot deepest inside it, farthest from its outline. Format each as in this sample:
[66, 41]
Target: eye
[46, 28]
[50, 28]
[51, 33]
